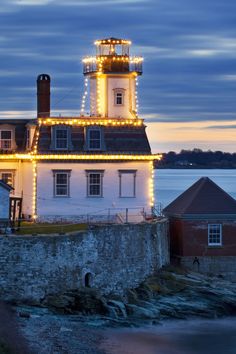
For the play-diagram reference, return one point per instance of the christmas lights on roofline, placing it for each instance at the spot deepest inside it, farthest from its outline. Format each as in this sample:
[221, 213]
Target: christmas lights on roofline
[83, 121]
[103, 157]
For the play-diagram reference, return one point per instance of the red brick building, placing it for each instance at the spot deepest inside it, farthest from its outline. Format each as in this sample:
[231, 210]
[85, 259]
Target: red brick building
[203, 228]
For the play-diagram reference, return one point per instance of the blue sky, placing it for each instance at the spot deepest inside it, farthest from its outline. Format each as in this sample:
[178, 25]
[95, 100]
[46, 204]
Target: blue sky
[188, 89]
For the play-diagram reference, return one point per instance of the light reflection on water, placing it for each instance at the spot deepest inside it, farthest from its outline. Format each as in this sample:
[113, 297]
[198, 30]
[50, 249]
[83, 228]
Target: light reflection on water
[179, 337]
[171, 183]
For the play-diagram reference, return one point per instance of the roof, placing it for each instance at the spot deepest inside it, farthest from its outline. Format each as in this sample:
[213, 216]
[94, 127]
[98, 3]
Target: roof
[203, 197]
[5, 185]
[122, 139]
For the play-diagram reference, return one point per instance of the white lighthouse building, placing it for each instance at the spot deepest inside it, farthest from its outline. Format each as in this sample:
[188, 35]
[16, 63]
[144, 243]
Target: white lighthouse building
[94, 166]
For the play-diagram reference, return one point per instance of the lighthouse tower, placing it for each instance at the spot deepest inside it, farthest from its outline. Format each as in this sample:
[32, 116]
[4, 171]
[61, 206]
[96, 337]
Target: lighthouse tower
[112, 77]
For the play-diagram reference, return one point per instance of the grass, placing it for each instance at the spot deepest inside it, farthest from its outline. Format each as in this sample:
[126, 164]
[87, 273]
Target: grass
[29, 228]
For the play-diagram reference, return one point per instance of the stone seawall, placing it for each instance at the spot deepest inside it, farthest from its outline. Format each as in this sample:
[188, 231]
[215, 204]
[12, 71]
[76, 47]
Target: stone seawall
[109, 257]
[215, 265]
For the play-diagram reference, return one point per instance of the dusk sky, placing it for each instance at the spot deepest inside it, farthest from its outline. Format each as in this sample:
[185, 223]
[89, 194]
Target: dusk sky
[188, 88]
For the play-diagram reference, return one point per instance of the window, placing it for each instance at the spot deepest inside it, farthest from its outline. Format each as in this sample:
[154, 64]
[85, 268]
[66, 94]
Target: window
[6, 139]
[94, 139]
[7, 177]
[214, 234]
[94, 183]
[119, 97]
[127, 185]
[61, 138]
[61, 183]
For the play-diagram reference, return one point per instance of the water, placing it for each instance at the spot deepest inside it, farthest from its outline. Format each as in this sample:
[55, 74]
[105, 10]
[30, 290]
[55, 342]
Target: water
[171, 183]
[177, 337]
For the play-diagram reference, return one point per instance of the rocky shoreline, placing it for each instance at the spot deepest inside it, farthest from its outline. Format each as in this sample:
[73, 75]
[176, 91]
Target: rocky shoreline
[170, 293]
[74, 322]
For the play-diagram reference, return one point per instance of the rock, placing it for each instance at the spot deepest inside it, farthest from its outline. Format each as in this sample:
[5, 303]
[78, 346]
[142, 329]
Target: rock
[139, 312]
[84, 300]
[132, 296]
[24, 314]
[119, 307]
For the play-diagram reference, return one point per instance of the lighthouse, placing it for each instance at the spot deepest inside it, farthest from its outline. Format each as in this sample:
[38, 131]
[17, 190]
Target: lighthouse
[113, 79]
[96, 166]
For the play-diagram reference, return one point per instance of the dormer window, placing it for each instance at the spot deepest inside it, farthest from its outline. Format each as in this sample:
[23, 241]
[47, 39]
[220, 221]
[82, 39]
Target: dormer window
[61, 138]
[119, 97]
[94, 139]
[6, 139]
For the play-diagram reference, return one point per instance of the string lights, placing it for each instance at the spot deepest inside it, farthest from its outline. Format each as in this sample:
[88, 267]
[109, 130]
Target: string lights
[84, 96]
[136, 96]
[113, 41]
[96, 157]
[87, 121]
[34, 199]
[151, 185]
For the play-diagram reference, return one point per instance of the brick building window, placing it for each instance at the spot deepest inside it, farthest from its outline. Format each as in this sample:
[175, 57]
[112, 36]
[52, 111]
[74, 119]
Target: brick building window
[214, 234]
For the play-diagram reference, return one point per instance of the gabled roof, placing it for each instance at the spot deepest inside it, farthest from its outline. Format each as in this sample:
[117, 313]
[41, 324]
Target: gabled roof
[5, 185]
[203, 197]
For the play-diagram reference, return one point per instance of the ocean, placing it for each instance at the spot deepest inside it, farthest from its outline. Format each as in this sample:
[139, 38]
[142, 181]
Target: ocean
[171, 183]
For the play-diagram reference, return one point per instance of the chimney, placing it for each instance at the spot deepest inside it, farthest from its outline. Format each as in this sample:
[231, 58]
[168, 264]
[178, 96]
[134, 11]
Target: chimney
[43, 96]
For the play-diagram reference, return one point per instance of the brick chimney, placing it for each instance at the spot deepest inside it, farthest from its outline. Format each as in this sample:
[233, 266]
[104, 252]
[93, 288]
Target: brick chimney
[43, 96]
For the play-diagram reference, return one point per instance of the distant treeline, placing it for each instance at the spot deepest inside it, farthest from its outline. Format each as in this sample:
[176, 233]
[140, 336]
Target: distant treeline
[197, 158]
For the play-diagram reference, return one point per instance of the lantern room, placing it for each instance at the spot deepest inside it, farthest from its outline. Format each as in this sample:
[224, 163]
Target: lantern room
[113, 79]
[113, 55]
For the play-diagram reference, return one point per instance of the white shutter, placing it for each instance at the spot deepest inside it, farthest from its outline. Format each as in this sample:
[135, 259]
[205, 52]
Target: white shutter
[127, 187]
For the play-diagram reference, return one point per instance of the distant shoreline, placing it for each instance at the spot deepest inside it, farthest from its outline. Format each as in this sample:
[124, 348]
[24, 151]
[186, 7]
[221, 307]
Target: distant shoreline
[197, 159]
[193, 168]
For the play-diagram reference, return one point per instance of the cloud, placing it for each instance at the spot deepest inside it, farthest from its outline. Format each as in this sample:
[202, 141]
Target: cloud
[74, 2]
[231, 77]
[232, 126]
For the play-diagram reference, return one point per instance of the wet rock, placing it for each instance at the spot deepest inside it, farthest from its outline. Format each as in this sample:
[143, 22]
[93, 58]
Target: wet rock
[139, 312]
[24, 314]
[84, 300]
[119, 308]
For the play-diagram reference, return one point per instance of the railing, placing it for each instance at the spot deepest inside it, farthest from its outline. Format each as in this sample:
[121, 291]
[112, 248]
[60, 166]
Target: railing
[133, 64]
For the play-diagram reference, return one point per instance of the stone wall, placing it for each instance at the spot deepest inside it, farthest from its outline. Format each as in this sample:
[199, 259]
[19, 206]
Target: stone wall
[111, 258]
[215, 265]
